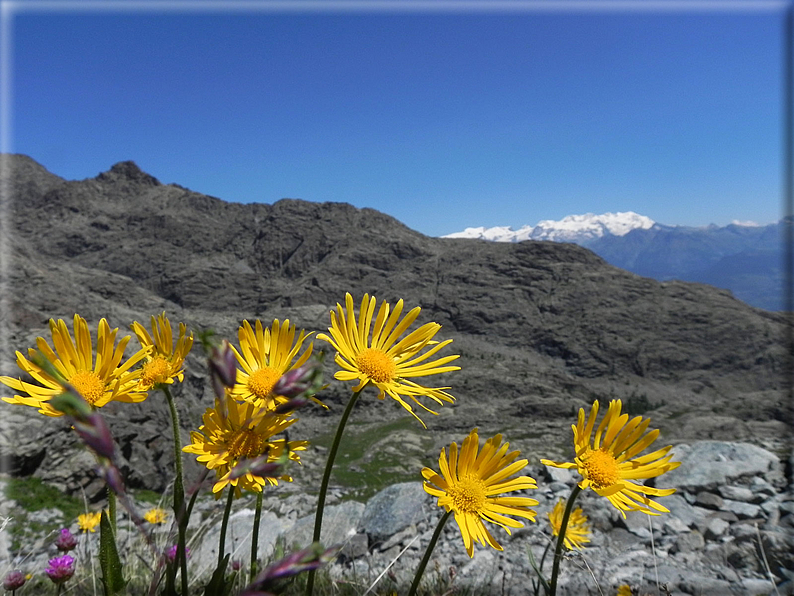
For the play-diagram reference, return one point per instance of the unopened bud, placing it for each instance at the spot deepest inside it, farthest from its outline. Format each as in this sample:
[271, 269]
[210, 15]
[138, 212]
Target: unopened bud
[112, 477]
[94, 432]
[66, 541]
[307, 378]
[14, 580]
[312, 557]
[71, 403]
[223, 368]
[290, 406]
[260, 466]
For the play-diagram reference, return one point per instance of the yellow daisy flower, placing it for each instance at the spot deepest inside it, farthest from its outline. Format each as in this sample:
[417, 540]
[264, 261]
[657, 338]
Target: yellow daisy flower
[470, 485]
[385, 360]
[88, 522]
[165, 361]
[99, 382]
[265, 355]
[156, 515]
[576, 534]
[623, 590]
[244, 432]
[610, 461]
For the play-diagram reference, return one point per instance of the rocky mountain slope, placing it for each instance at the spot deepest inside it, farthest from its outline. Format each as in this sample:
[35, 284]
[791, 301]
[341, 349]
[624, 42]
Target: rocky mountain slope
[542, 328]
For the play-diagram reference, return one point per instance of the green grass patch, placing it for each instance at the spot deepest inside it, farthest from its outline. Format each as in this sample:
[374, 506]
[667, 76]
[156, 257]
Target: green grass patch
[149, 496]
[367, 463]
[31, 494]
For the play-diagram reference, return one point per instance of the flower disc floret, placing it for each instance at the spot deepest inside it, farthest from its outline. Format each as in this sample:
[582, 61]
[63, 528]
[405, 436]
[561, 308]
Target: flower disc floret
[99, 377]
[609, 459]
[375, 351]
[265, 355]
[471, 484]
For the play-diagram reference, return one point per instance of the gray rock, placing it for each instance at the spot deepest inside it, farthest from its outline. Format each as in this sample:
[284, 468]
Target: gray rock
[673, 525]
[691, 541]
[394, 509]
[708, 500]
[742, 510]
[681, 510]
[757, 587]
[716, 527]
[706, 465]
[238, 539]
[339, 525]
[704, 585]
[740, 493]
[355, 546]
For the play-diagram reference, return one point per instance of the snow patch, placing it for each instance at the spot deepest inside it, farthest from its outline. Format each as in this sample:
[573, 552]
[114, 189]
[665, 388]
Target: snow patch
[573, 228]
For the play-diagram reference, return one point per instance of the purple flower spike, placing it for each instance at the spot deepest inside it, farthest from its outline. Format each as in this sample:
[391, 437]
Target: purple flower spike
[66, 541]
[14, 580]
[60, 569]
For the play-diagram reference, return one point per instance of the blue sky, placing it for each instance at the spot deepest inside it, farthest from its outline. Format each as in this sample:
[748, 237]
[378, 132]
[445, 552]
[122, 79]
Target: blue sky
[442, 119]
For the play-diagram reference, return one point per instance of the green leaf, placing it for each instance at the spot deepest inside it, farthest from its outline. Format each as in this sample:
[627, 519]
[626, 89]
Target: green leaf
[543, 581]
[217, 585]
[112, 577]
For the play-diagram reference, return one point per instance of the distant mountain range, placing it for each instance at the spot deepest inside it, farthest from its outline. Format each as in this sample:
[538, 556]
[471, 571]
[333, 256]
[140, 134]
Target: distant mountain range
[744, 258]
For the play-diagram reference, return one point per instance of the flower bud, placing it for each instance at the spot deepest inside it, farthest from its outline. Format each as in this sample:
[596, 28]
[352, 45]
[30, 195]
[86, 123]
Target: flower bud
[112, 477]
[94, 432]
[66, 541]
[307, 378]
[170, 553]
[223, 367]
[259, 466]
[307, 559]
[14, 580]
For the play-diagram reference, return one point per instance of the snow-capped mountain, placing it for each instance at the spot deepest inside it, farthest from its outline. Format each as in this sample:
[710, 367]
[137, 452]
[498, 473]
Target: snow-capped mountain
[744, 257]
[573, 228]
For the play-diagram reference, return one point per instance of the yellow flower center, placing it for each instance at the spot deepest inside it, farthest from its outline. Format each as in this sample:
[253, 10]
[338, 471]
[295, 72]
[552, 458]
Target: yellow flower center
[246, 443]
[89, 385]
[601, 468]
[262, 381]
[377, 365]
[468, 494]
[155, 371]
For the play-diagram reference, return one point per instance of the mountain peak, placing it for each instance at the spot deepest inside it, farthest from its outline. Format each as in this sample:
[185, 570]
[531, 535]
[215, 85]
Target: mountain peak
[127, 170]
[572, 228]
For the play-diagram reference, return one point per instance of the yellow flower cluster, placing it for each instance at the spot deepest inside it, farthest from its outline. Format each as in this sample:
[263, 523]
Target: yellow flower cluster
[238, 437]
[98, 376]
[242, 425]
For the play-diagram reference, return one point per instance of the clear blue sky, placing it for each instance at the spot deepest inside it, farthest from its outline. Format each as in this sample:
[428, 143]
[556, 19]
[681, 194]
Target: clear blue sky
[443, 120]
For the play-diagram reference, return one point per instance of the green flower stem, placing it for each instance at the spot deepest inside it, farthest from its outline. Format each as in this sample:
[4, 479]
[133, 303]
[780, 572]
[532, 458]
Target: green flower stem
[255, 536]
[421, 569]
[318, 519]
[179, 489]
[561, 539]
[112, 509]
[225, 524]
